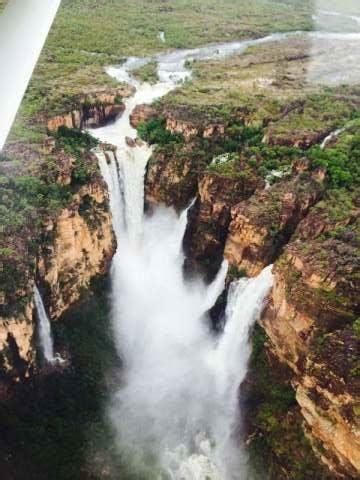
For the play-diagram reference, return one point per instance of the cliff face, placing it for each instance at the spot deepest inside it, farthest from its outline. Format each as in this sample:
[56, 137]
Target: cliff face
[79, 245]
[261, 226]
[209, 220]
[311, 321]
[310, 233]
[172, 175]
[92, 110]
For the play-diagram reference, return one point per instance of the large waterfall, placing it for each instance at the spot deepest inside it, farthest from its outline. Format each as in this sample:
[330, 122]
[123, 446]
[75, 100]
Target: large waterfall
[177, 405]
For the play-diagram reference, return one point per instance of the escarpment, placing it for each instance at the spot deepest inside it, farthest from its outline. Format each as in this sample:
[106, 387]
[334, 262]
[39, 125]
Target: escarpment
[57, 233]
[209, 221]
[77, 247]
[172, 175]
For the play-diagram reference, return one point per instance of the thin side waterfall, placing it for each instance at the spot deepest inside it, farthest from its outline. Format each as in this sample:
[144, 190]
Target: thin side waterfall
[332, 136]
[46, 340]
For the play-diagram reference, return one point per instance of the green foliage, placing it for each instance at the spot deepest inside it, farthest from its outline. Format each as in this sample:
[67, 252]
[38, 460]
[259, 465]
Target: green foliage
[118, 99]
[77, 143]
[6, 252]
[235, 273]
[342, 163]
[278, 444]
[271, 158]
[242, 135]
[23, 199]
[154, 132]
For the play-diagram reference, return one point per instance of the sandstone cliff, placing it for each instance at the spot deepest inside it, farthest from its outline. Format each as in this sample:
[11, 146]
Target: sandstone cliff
[78, 246]
[311, 233]
[210, 218]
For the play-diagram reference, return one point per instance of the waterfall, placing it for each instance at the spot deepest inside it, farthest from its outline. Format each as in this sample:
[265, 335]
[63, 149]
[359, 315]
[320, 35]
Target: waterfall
[46, 340]
[177, 401]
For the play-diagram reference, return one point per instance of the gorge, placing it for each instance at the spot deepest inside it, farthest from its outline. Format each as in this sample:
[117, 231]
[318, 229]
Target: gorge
[221, 229]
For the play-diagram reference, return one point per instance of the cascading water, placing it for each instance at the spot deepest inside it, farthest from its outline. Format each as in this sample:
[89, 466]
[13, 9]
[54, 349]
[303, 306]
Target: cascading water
[177, 401]
[46, 340]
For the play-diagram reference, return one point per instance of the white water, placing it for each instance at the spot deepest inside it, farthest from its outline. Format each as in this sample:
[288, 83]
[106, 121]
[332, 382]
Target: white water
[46, 340]
[24, 25]
[330, 13]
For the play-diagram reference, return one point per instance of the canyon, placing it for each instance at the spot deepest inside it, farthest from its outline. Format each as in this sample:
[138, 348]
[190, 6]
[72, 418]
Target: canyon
[238, 186]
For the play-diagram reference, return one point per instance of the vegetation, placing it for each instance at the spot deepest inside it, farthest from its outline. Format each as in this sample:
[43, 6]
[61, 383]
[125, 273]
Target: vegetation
[79, 47]
[155, 132]
[147, 73]
[77, 143]
[342, 163]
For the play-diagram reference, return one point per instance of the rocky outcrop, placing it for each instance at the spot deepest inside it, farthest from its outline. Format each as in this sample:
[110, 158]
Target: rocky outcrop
[184, 122]
[92, 110]
[172, 175]
[17, 334]
[311, 321]
[61, 248]
[260, 227]
[79, 246]
[210, 218]
[304, 140]
[142, 113]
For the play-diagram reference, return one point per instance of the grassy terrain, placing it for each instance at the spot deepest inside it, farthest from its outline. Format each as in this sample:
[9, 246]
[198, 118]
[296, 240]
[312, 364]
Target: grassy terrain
[147, 73]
